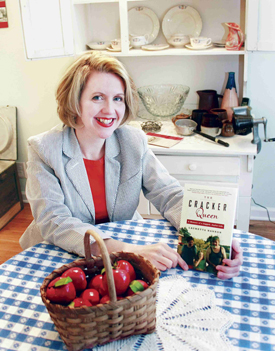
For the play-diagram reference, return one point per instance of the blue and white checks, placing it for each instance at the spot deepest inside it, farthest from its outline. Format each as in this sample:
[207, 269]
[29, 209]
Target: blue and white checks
[25, 323]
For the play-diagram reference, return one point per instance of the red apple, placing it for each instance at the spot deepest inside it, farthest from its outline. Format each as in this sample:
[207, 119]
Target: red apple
[79, 301]
[96, 283]
[121, 279]
[91, 295]
[78, 277]
[135, 286]
[106, 298]
[126, 266]
[61, 290]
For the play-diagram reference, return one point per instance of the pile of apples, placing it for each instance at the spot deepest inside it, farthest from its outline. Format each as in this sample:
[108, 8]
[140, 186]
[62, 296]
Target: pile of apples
[72, 288]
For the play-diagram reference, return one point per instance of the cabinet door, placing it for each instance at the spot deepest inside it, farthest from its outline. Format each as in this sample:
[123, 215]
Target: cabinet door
[260, 25]
[47, 28]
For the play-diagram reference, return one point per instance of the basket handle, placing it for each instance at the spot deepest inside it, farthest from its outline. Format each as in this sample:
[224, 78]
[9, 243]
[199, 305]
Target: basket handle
[106, 260]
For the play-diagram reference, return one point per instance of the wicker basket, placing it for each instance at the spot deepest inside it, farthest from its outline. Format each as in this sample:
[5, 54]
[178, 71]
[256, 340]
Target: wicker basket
[85, 327]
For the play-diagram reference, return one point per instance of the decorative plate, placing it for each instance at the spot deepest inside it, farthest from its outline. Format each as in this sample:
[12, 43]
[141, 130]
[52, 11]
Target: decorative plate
[187, 319]
[188, 46]
[99, 45]
[155, 47]
[143, 20]
[182, 19]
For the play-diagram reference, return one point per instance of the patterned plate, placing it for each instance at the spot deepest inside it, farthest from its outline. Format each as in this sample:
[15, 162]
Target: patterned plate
[182, 19]
[143, 21]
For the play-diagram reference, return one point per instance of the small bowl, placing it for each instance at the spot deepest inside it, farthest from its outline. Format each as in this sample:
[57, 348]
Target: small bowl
[185, 126]
[180, 116]
[99, 45]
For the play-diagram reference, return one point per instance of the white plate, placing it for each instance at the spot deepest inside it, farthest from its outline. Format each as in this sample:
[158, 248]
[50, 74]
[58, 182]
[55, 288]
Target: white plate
[182, 19]
[99, 45]
[143, 21]
[109, 48]
[188, 46]
[219, 43]
[155, 47]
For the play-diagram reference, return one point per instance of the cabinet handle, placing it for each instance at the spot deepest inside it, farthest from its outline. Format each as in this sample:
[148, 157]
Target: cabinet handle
[192, 167]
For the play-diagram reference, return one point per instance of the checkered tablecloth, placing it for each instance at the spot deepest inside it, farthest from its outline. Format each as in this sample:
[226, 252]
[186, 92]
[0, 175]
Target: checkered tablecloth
[25, 323]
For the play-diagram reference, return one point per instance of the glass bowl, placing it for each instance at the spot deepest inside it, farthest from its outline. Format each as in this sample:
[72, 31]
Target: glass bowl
[163, 100]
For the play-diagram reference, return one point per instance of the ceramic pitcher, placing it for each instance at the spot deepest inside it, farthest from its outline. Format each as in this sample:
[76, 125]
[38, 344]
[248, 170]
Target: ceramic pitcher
[208, 99]
[235, 38]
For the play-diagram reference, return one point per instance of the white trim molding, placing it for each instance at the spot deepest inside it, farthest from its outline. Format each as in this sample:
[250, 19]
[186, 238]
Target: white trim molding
[260, 214]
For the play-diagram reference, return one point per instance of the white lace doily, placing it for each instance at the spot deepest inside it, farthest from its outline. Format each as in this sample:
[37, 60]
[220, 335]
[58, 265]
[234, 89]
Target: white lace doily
[187, 319]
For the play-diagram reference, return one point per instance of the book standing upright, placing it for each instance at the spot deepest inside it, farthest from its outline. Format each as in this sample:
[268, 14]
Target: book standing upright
[206, 227]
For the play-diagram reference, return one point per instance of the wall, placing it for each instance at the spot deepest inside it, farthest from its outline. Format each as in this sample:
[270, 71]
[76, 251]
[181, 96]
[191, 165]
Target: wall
[30, 86]
[261, 89]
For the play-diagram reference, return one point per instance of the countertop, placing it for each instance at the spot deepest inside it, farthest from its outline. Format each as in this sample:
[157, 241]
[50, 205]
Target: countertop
[196, 144]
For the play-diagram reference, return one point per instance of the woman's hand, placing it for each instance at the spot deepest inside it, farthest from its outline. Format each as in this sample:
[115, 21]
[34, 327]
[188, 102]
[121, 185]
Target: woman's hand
[233, 265]
[161, 255]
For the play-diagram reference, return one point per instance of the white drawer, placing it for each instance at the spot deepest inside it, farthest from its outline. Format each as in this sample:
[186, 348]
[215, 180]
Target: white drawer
[201, 165]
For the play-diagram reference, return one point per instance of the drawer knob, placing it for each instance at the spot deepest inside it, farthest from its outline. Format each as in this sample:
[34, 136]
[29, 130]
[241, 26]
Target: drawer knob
[192, 167]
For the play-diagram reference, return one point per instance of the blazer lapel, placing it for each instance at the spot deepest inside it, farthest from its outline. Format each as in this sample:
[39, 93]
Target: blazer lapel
[112, 173]
[75, 168]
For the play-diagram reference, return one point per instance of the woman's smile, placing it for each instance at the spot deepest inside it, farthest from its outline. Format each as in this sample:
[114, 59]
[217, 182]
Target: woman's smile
[105, 122]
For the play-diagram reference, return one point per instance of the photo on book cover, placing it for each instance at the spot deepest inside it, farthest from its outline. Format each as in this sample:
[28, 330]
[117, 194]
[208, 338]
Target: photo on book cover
[206, 227]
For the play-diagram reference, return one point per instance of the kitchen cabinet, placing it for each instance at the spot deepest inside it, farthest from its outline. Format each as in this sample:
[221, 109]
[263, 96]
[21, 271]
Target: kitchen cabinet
[195, 160]
[63, 28]
[76, 23]
[47, 28]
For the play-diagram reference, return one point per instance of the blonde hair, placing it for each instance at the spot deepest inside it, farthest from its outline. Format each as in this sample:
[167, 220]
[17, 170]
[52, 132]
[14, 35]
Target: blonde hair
[70, 88]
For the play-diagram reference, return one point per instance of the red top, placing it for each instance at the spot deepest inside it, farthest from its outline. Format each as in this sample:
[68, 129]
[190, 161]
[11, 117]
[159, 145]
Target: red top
[96, 175]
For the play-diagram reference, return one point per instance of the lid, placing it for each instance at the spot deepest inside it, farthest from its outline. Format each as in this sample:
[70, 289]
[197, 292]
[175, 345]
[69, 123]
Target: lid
[5, 134]
[8, 147]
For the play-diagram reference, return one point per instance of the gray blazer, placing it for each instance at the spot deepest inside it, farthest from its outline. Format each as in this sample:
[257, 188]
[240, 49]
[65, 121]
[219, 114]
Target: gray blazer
[59, 193]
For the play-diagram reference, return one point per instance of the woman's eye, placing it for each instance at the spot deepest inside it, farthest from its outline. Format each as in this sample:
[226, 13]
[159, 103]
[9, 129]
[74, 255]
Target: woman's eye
[97, 97]
[118, 98]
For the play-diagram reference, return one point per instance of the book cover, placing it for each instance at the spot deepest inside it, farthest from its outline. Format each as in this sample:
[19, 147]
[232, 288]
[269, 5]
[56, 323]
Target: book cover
[206, 227]
[163, 140]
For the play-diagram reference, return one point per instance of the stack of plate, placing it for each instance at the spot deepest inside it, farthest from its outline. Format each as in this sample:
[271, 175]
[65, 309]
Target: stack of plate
[219, 43]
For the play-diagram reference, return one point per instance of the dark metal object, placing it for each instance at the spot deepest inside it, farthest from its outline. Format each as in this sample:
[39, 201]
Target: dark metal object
[244, 123]
[210, 137]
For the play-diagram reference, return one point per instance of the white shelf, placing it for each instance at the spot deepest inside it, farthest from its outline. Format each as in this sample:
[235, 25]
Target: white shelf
[177, 52]
[81, 2]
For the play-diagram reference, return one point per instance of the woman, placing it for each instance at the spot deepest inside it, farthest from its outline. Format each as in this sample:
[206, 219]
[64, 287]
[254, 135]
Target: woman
[93, 169]
[215, 255]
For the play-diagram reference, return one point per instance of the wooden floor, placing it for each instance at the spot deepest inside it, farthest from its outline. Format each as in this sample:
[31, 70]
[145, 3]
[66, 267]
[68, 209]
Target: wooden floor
[10, 234]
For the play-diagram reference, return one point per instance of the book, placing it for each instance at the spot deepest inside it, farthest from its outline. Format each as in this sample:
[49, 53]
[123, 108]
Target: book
[163, 140]
[206, 227]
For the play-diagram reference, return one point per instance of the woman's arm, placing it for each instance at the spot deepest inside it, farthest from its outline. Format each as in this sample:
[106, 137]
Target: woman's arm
[161, 255]
[161, 189]
[199, 260]
[54, 218]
